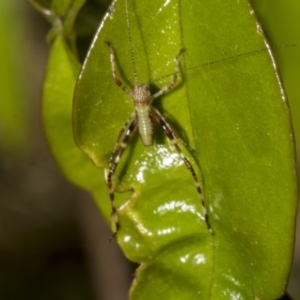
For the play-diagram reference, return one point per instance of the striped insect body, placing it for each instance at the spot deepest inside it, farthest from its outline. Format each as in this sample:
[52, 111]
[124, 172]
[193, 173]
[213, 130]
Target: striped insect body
[141, 96]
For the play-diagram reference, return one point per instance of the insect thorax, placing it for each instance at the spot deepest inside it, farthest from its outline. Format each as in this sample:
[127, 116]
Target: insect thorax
[141, 94]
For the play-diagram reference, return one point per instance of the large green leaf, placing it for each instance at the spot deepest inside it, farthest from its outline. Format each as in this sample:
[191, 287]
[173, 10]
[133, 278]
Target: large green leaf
[233, 113]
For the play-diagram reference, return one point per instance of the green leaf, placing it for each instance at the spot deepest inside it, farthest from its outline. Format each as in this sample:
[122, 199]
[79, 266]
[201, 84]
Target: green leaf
[281, 34]
[58, 7]
[14, 125]
[233, 113]
[62, 72]
[62, 15]
[62, 6]
[41, 5]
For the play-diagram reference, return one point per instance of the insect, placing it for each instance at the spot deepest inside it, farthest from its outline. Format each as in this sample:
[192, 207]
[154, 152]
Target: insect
[143, 118]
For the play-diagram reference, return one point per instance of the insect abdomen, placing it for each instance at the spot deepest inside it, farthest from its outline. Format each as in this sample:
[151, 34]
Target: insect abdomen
[145, 125]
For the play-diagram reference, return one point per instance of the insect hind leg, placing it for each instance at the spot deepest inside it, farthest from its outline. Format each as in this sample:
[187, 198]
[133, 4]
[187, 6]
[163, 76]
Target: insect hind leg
[112, 170]
[159, 119]
[120, 135]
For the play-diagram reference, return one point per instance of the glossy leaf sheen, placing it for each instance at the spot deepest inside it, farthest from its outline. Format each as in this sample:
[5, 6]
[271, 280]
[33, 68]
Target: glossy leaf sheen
[233, 113]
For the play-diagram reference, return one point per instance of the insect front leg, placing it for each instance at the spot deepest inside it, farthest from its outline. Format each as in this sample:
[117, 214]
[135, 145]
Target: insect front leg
[169, 86]
[114, 70]
[112, 169]
[159, 119]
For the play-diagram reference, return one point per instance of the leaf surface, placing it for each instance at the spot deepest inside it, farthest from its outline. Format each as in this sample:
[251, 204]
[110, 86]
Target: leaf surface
[233, 112]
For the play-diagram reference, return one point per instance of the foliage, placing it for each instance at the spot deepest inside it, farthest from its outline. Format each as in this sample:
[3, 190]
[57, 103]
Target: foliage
[14, 127]
[233, 112]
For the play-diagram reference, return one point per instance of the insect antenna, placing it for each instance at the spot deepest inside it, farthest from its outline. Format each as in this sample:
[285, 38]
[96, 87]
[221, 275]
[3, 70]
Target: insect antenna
[130, 43]
[267, 48]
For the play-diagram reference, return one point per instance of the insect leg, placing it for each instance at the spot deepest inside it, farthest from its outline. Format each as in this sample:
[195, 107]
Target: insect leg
[169, 86]
[114, 69]
[121, 133]
[112, 169]
[159, 119]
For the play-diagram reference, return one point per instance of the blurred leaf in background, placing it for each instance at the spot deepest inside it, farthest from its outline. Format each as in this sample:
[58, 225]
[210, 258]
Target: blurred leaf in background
[281, 24]
[14, 105]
